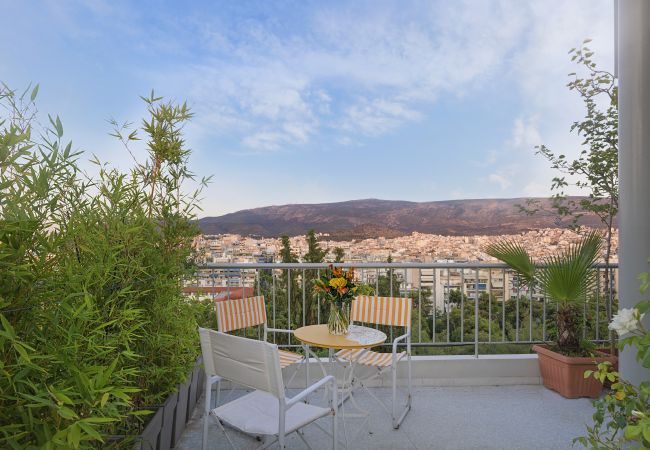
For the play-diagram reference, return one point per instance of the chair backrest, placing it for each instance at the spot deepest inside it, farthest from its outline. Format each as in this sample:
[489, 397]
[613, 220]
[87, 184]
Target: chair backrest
[252, 363]
[240, 313]
[381, 310]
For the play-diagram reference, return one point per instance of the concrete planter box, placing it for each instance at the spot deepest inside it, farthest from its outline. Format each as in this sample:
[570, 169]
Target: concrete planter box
[565, 374]
[167, 429]
[167, 424]
[150, 436]
[194, 390]
[180, 418]
[201, 381]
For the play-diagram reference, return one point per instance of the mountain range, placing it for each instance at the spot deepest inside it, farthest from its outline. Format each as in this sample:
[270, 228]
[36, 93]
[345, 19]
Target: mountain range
[371, 218]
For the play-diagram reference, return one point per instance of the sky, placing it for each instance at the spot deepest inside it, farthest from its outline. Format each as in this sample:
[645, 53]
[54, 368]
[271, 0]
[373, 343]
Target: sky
[320, 101]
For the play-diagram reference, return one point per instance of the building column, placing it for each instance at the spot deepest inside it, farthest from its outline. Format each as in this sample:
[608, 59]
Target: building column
[634, 162]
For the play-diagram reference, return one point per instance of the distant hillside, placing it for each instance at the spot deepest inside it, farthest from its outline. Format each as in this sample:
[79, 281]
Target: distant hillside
[358, 219]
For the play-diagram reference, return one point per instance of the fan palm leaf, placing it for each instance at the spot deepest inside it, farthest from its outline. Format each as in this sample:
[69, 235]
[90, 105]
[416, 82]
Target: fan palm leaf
[516, 257]
[567, 277]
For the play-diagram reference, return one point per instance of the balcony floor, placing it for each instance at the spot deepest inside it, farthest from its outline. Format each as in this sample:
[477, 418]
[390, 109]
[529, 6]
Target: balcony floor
[482, 417]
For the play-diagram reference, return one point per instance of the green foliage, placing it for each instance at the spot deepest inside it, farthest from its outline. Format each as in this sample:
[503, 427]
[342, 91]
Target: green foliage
[567, 278]
[314, 254]
[515, 256]
[595, 170]
[286, 254]
[93, 327]
[339, 254]
[622, 416]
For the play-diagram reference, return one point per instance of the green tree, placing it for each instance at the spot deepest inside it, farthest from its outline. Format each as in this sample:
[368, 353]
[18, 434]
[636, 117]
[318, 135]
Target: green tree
[315, 254]
[286, 254]
[339, 254]
[288, 296]
[595, 170]
[389, 285]
[456, 297]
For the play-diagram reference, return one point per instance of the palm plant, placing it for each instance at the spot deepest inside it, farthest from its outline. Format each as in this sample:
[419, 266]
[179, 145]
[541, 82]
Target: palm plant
[566, 278]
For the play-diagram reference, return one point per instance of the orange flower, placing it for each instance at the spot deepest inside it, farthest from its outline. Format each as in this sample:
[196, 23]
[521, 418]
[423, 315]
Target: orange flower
[342, 290]
[337, 272]
[350, 274]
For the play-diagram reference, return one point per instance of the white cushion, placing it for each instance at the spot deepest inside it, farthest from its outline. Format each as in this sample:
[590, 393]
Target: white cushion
[258, 413]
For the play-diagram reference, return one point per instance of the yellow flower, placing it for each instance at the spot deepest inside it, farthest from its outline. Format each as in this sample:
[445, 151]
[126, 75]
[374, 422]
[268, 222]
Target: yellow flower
[337, 283]
[620, 395]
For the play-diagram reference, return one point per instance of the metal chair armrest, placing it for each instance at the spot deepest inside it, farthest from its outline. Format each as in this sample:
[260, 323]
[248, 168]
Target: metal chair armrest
[279, 330]
[317, 385]
[396, 341]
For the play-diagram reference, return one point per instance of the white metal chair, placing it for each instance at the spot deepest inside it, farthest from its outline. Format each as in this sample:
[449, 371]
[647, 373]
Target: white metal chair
[389, 311]
[265, 411]
[238, 314]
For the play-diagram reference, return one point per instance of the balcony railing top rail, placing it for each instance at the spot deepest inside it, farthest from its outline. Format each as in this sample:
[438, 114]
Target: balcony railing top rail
[374, 265]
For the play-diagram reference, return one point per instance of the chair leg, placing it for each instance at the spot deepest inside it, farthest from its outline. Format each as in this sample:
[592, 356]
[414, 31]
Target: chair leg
[397, 421]
[408, 402]
[306, 362]
[301, 435]
[281, 427]
[206, 413]
[335, 438]
[394, 384]
[226, 434]
[216, 403]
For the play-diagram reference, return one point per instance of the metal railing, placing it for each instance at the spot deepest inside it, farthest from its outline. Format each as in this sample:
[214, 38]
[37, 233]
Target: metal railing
[446, 313]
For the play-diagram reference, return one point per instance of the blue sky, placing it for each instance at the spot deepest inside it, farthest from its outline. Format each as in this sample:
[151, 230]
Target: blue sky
[305, 101]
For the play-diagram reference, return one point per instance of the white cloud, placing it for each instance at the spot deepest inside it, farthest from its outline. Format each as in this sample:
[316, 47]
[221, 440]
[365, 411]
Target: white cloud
[502, 181]
[377, 117]
[369, 68]
[535, 189]
[540, 71]
[525, 134]
[264, 140]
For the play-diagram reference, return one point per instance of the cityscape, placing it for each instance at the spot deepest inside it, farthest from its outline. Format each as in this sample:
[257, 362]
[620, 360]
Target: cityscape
[416, 247]
[412, 250]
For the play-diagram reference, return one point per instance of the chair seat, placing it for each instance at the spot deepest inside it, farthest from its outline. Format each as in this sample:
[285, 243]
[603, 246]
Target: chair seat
[287, 358]
[258, 413]
[369, 358]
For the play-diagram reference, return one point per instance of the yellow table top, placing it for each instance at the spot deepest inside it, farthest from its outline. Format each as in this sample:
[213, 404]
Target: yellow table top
[318, 336]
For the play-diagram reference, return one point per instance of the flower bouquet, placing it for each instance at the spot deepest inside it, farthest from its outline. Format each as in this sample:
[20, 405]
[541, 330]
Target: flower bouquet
[339, 289]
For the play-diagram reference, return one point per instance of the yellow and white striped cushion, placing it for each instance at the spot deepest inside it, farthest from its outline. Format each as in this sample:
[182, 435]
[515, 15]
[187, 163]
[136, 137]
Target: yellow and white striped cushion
[381, 310]
[287, 358]
[240, 313]
[369, 358]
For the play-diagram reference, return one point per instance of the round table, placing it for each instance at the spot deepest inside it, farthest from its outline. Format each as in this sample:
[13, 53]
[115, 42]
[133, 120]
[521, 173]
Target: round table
[357, 337]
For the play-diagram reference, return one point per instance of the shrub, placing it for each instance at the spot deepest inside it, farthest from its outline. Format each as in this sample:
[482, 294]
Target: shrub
[93, 326]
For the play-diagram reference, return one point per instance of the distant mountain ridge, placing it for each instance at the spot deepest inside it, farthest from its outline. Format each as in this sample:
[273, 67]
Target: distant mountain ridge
[369, 218]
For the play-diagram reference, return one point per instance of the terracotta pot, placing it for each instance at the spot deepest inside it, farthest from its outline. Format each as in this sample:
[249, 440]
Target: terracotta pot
[565, 374]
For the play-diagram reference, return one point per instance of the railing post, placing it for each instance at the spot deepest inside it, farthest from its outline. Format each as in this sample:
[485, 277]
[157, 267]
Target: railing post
[476, 316]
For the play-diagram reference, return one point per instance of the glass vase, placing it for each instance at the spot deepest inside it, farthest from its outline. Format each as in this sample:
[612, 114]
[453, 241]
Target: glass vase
[339, 320]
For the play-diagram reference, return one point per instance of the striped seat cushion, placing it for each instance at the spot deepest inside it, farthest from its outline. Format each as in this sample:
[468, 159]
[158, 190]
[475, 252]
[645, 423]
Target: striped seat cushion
[369, 358]
[288, 358]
